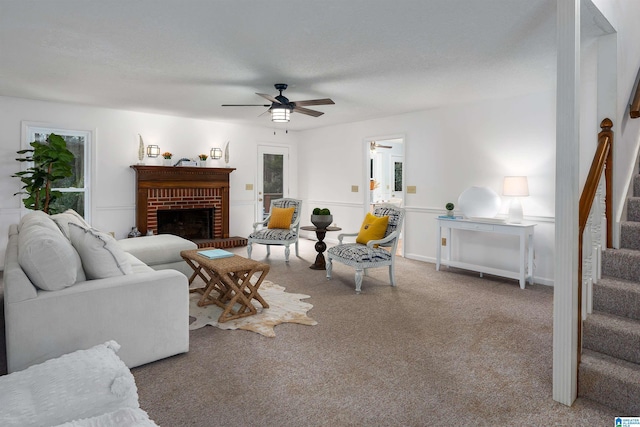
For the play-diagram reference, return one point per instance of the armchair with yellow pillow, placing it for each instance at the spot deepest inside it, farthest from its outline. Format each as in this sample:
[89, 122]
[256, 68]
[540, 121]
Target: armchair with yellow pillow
[375, 244]
[281, 227]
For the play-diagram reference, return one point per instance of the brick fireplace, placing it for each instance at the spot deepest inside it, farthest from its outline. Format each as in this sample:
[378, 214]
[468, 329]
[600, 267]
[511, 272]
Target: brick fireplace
[166, 188]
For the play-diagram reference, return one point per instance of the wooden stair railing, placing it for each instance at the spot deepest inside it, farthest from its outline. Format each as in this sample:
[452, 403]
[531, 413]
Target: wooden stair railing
[602, 161]
[634, 110]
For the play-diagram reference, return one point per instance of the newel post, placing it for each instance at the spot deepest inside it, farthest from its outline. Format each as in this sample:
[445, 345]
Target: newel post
[606, 136]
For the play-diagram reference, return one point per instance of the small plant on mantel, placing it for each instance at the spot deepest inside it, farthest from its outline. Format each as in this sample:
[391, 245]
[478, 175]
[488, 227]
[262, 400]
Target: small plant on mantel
[167, 155]
[203, 157]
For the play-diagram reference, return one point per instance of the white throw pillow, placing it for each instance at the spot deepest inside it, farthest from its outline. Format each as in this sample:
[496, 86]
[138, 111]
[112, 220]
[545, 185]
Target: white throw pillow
[101, 255]
[82, 384]
[47, 258]
[69, 216]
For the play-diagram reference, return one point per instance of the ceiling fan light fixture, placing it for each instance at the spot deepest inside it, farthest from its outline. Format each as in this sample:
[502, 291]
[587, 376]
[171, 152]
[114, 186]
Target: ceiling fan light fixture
[280, 114]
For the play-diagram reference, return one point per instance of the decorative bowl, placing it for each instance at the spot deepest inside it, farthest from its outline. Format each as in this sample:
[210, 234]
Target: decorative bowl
[321, 221]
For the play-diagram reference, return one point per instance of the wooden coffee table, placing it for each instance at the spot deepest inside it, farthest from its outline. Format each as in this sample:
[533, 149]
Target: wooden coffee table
[230, 278]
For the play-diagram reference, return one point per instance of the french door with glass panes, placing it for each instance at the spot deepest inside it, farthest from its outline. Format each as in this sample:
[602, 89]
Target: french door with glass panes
[273, 177]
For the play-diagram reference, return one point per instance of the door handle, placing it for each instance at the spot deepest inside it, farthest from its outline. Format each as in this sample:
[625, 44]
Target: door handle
[259, 200]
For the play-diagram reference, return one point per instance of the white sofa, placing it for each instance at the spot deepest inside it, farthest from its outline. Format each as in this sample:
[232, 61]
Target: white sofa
[69, 287]
[85, 388]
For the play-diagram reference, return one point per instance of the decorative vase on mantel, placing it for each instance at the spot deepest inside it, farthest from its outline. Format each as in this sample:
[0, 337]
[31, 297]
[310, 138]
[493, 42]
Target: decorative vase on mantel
[134, 232]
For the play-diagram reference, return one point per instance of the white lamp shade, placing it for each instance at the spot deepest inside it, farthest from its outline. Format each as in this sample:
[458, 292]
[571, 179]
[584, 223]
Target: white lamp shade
[516, 186]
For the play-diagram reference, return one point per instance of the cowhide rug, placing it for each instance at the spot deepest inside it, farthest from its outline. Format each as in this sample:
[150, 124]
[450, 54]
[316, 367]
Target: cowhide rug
[283, 307]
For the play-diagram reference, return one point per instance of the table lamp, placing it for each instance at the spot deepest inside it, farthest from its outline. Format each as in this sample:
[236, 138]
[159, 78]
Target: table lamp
[515, 187]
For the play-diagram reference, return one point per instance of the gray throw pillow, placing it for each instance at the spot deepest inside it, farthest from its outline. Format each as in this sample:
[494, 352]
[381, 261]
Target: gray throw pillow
[47, 258]
[101, 255]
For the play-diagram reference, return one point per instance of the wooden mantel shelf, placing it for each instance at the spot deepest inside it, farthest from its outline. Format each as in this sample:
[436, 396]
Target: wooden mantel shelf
[182, 173]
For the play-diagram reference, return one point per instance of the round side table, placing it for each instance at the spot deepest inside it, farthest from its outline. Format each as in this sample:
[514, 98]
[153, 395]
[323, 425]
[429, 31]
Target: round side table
[321, 246]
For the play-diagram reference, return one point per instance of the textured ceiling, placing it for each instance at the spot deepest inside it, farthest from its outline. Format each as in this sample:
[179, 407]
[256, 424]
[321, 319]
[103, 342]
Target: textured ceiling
[374, 58]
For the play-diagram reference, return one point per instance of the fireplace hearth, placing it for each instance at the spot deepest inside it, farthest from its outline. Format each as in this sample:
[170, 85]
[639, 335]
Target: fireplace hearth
[183, 191]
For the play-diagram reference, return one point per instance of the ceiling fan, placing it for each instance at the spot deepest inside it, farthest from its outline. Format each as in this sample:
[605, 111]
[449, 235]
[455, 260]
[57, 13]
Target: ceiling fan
[373, 145]
[281, 107]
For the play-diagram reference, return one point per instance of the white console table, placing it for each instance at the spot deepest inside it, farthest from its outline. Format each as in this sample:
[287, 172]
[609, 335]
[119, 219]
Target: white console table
[524, 231]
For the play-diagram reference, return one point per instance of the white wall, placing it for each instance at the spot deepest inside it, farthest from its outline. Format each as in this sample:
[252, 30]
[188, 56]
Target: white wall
[446, 151]
[116, 148]
[624, 15]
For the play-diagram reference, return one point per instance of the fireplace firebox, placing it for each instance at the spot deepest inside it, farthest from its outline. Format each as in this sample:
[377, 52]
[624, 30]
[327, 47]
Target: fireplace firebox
[187, 223]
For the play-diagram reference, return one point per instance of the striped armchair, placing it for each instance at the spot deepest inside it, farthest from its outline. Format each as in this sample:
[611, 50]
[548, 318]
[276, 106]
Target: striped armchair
[277, 236]
[362, 257]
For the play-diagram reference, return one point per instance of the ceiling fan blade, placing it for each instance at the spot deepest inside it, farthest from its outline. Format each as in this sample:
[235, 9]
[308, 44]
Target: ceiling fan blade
[307, 111]
[325, 101]
[246, 105]
[269, 97]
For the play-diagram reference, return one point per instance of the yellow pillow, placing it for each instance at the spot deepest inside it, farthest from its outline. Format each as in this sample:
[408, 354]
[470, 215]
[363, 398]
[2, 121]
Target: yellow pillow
[281, 217]
[373, 228]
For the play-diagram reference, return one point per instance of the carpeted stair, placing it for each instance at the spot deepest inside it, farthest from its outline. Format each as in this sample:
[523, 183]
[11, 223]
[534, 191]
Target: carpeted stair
[610, 364]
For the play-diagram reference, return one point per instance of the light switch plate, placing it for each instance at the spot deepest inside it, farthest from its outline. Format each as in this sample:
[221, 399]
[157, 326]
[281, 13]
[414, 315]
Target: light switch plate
[249, 187]
[411, 189]
[354, 188]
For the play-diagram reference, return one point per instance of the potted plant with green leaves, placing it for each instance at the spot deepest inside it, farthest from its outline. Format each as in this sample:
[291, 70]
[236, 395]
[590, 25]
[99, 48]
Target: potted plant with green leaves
[167, 155]
[449, 207]
[321, 217]
[203, 160]
[50, 161]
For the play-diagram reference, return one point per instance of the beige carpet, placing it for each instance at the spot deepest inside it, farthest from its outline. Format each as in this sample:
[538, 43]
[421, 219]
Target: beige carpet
[284, 307]
[441, 348]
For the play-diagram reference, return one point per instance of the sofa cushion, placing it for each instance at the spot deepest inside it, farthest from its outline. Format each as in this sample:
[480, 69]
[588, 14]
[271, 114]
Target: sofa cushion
[37, 218]
[47, 258]
[137, 266]
[69, 216]
[82, 384]
[17, 286]
[101, 255]
[157, 249]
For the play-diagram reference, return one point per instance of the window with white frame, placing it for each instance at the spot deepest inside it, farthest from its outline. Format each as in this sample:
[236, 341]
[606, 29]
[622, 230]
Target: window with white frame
[74, 189]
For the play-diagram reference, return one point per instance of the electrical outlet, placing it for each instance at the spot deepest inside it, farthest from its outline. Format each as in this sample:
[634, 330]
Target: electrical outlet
[411, 189]
[444, 241]
[354, 188]
[248, 187]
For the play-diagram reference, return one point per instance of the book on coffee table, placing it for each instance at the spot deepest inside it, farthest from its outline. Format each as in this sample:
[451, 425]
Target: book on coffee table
[215, 253]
